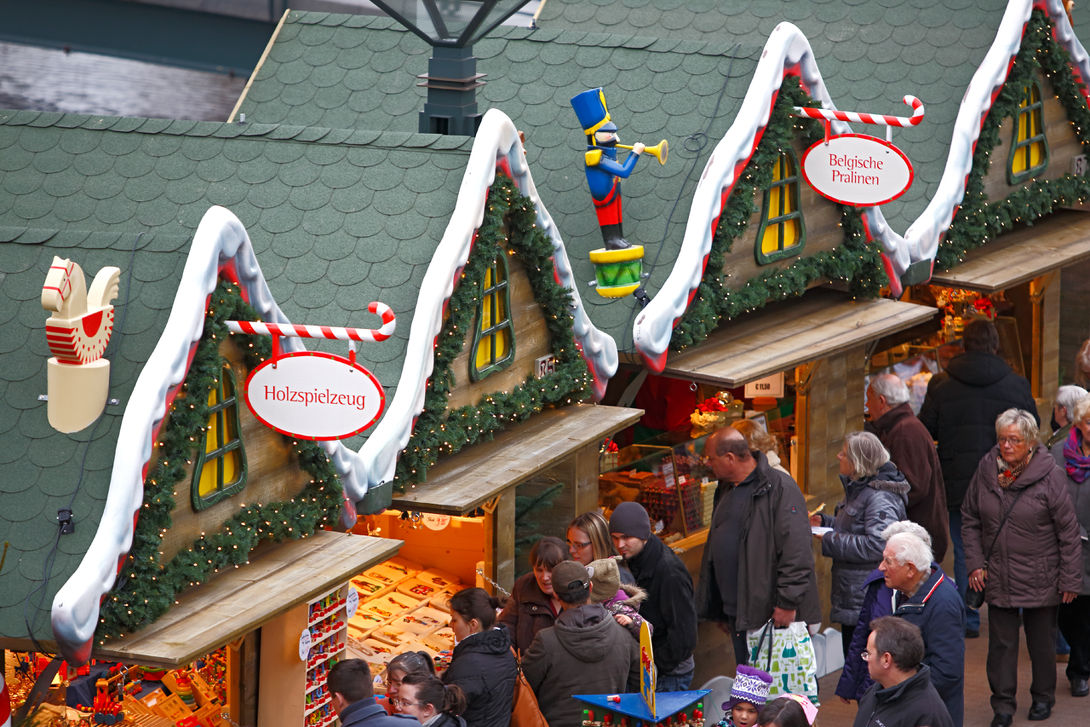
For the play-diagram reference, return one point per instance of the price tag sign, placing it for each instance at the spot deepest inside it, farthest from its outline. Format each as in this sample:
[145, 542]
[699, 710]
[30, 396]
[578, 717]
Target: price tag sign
[352, 601]
[304, 644]
[433, 521]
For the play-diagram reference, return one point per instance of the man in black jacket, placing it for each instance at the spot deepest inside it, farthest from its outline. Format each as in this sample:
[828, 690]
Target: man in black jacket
[960, 411]
[669, 605]
[902, 694]
[758, 562]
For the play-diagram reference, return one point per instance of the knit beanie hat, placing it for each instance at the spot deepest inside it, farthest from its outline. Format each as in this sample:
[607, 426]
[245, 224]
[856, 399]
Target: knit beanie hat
[605, 578]
[750, 685]
[631, 520]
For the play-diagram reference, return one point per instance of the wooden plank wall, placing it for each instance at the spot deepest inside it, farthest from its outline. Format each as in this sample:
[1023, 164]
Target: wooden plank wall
[833, 394]
[1063, 146]
[823, 232]
[531, 342]
[1047, 291]
[273, 473]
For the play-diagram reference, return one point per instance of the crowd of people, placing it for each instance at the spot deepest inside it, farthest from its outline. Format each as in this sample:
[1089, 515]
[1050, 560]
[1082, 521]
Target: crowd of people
[970, 471]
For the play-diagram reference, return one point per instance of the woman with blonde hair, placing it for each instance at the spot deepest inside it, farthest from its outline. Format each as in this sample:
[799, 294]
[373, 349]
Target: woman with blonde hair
[757, 437]
[588, 538]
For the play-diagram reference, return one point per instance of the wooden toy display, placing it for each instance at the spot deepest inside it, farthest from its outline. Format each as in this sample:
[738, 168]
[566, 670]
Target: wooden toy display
[326, 621]
[403, 607]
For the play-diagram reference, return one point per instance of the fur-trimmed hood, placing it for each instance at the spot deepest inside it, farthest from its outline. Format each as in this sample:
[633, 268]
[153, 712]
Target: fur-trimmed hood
[635, 596]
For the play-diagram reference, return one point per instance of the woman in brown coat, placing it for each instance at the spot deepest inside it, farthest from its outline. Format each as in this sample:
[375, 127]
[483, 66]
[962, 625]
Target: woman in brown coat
[1026, 565]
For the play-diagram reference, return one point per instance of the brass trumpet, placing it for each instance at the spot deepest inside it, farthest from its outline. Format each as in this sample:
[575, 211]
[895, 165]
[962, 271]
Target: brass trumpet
[660, 151]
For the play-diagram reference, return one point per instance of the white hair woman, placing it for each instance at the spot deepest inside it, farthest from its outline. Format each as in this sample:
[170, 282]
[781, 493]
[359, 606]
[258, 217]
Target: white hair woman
[875, 495]
[1073, 456]
[1063, 408]
[910, 585]
[1025, 554]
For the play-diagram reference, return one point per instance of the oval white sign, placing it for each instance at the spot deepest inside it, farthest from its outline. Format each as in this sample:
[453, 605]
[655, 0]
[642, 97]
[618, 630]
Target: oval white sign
[314, 395]
[857, 170]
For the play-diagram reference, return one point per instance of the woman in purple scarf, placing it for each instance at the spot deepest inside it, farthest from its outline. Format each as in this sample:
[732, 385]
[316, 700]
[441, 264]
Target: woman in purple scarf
[1073, 456]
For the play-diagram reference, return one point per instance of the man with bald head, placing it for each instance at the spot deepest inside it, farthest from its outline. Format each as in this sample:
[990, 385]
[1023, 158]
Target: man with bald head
[758, 563]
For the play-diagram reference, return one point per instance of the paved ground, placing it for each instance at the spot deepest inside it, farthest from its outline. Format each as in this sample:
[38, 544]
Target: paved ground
[1068, 712]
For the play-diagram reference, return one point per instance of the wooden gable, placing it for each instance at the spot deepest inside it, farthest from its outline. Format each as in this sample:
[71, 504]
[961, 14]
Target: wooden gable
[821, 220]
[530, 341]
[272, 471]
[1062, 145]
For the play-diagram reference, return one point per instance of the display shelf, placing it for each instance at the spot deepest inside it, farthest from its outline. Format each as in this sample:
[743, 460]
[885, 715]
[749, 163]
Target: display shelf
[327, 623]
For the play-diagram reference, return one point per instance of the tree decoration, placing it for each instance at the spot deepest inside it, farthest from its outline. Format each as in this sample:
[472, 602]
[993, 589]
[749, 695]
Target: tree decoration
[979, 221]
[853, 264]
[509, 227]
[146, 587]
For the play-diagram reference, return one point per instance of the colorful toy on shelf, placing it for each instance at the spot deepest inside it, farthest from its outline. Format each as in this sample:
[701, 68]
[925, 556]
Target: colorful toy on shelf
[619, 264]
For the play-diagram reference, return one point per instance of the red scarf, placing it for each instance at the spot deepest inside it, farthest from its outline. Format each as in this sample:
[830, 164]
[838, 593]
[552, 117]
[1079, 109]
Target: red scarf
[1009, 473]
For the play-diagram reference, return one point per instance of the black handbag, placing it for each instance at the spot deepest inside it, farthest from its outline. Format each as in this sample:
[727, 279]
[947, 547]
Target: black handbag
[974, 598]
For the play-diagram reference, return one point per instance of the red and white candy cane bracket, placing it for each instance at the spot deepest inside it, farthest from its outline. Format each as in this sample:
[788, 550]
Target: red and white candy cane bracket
[889, 121]
[352, 335]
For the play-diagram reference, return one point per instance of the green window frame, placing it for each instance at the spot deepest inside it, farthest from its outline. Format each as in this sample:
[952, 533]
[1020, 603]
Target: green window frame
[220, 468]
[494, 336]
[1029, 145]
[783, 232]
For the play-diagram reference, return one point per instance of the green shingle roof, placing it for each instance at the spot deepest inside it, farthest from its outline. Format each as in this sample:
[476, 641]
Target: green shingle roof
[669, 69]
[686, 91]
[337, 218]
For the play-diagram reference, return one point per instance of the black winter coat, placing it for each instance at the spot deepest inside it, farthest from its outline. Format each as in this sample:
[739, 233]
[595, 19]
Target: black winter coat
[870, 506]
[669, 605]
[484, 667]
[776, 567]
[912, 703]
[960, 411]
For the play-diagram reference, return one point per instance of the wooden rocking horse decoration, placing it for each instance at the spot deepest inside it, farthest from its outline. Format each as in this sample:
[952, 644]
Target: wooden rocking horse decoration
[78, 333]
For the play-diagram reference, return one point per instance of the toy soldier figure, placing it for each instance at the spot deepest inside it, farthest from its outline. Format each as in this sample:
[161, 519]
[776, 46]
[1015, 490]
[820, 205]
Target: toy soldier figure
[604, 173]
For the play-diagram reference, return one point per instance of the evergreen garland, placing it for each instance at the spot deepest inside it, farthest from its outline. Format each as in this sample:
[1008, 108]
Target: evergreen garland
[509, 227]
[146, 588]
[854, 262]
[978, 221]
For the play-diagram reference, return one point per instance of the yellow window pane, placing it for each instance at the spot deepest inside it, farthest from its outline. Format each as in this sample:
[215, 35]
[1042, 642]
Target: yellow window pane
[790, 233]
[770, 242]
[212, 438]
[230, 466]
[502, 343]
[484, 352]
[209, 482]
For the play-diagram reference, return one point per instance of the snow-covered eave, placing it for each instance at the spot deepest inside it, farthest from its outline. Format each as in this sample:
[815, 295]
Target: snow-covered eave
[921, 239]
[787, 52]
[220, 247]
[496, 146]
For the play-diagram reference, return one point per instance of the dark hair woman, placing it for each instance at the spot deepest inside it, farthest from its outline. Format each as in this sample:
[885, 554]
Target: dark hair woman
[482, 663]
[533, 605]
[782, 712]
[432, 703]
[405, 663]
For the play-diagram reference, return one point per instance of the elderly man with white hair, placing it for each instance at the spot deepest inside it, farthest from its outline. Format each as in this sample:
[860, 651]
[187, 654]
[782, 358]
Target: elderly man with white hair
[911, 585]
[913, 450]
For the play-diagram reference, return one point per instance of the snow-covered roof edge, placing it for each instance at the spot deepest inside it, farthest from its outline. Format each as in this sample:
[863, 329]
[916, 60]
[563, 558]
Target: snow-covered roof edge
[921, 239]
[496, 143]
[219, 243]
[787, 52]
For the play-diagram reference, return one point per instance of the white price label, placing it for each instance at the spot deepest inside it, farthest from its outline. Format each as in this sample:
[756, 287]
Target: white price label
[352, 601]
[304, 645]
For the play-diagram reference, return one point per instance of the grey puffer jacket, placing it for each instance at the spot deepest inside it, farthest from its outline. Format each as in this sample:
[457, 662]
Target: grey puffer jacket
[1037, 554]
[870, 505]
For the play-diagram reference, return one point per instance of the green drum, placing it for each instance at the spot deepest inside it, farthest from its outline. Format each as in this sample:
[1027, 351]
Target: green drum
[617, 271]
